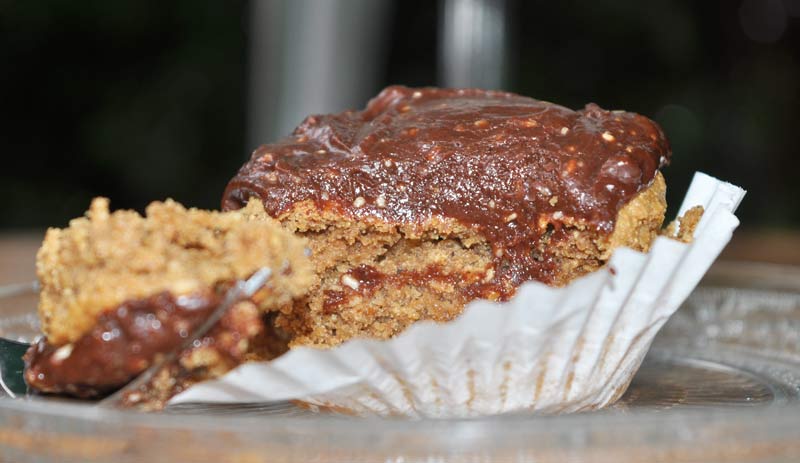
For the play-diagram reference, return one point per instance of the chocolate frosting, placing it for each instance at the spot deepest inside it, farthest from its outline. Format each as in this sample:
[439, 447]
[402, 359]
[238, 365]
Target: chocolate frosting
[122, 344]
[503, 164]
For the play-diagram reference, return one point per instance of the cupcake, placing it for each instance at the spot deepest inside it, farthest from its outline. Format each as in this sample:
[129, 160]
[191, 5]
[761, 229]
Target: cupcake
[474, 253]
[119, 289]
[431, 198]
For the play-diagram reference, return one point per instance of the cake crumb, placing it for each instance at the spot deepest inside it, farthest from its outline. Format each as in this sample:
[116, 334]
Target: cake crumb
[682, 229]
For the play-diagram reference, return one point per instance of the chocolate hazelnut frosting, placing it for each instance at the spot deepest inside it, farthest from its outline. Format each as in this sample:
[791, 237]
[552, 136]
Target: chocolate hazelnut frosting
[119, 347]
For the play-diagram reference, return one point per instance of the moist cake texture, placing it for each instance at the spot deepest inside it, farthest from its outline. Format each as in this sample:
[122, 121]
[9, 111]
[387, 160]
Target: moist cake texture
[430, 198]
[119, 289]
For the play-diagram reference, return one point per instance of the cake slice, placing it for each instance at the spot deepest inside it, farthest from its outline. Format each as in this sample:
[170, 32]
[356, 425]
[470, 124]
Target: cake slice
[430, 198]
[119, 289]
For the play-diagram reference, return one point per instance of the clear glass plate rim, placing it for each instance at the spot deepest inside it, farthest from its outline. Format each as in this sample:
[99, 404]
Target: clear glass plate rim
[788, 414]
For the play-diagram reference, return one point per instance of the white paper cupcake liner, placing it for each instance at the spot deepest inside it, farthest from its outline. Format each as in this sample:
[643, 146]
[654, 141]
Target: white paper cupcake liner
[547, 350]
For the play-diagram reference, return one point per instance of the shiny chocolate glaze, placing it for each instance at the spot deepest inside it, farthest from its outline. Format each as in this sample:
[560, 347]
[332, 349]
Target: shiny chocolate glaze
[510, 167]
[122, 344]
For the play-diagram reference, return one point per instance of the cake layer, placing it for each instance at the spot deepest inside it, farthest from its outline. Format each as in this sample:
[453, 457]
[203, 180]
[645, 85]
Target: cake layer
[103, 260]
[375, 281]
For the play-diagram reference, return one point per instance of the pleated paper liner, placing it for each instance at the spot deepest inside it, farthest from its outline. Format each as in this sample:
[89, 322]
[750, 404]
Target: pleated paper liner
[547, 350]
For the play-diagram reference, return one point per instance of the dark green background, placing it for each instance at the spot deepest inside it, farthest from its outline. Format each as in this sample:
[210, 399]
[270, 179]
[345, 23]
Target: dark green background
[142, 100]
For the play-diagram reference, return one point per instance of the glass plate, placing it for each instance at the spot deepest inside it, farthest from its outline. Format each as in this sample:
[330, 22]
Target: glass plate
[721, 383]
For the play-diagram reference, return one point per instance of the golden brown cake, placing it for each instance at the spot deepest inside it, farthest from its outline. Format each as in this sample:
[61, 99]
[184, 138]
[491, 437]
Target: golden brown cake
[430, 198]
[119, 289]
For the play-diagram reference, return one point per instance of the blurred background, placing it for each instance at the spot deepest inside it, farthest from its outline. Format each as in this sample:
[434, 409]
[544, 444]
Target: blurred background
[141, 100]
